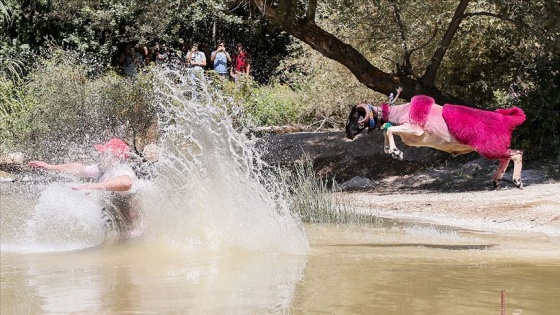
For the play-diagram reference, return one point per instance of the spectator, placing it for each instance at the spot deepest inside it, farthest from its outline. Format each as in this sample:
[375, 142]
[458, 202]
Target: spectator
[129, 60]
[163, 56]
[241, 63]
[184, 52]
[145, 56]
[220, 58]
[196, 58]
[150, 57]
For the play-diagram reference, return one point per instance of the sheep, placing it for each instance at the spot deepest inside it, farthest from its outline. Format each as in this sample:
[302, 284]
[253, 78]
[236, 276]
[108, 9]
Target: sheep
[456, 129]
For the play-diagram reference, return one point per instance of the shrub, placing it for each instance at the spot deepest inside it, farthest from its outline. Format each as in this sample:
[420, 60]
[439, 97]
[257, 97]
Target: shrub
[15, 110]
[70, 110]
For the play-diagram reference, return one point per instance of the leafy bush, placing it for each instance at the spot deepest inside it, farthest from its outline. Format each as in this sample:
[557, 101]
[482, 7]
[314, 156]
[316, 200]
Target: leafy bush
[16, 107]
[265, 105]
[65, 109]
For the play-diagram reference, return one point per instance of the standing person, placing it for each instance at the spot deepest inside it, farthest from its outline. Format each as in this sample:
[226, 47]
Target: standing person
[241, 63]
[163, 56]
[220, 58]
[196, 58]
[116, 179]
[129, 60]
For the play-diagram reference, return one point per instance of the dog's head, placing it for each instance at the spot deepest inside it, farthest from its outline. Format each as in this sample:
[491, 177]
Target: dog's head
[356, 121]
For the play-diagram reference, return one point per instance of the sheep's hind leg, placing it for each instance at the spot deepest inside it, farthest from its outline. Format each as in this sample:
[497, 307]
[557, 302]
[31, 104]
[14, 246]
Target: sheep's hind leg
[517, 157]
[500, 173]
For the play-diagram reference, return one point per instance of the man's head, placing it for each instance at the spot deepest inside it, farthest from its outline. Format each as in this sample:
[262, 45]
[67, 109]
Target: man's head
[115, 147]
[221, 46]
[194, 47]
[239, 47]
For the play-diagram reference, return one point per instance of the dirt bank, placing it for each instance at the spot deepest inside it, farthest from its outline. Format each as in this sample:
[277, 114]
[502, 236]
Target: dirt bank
[536, 208]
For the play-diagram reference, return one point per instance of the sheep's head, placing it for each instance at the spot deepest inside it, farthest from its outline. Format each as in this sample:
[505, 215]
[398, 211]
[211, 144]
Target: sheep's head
[357, 120]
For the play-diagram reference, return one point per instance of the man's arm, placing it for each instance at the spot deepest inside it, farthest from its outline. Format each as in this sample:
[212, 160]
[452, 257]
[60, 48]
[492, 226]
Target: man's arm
[71, 168]
[119, 183]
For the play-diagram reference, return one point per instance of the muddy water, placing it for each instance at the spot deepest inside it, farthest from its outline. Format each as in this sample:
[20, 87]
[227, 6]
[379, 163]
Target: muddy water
[394, 268]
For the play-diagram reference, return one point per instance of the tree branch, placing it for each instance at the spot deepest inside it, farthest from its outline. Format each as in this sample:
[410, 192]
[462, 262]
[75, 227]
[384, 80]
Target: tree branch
[332, 47]
[405, 68]
[430, 74]
[311, 10]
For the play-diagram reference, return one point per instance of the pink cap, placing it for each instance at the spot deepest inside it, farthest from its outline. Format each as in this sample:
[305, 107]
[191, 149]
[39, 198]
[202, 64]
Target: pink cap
[115, 146]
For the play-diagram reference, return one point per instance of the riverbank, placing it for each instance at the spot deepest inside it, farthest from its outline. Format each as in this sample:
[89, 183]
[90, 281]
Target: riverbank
[535, 209]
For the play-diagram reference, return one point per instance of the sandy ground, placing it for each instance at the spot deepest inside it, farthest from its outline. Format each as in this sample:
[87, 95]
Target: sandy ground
[536, 208]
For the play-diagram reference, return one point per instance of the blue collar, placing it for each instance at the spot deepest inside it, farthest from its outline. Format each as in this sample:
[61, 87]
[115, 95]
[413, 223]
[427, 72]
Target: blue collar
[371, 117]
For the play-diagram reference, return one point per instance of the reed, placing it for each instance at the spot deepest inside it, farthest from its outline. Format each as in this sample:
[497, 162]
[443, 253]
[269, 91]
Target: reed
[315, 202]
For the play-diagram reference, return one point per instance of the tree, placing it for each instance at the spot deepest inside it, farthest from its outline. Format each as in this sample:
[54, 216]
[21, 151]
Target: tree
[417, 75]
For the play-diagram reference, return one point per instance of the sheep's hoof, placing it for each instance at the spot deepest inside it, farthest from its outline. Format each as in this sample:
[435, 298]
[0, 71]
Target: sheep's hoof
[517, 182]
[496, 184]
[397, 154]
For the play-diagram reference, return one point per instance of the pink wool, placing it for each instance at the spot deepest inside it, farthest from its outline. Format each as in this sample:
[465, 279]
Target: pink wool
[420, 107]
[489, 133]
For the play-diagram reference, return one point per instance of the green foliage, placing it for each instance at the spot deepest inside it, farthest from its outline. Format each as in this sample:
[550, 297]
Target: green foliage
[539, 95]
[98, 30]
[500, 43]
[16, 107]
[66, 109]
[314, 202]
[272, 105]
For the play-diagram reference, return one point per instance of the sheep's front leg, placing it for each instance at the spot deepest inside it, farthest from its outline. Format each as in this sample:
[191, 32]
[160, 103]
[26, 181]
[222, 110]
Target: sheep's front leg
[385, 143]
[404, 129]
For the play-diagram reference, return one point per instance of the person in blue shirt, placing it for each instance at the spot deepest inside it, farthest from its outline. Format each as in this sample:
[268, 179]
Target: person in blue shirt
[220, 58]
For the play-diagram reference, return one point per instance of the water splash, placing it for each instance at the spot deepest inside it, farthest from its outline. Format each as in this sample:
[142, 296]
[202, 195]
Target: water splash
[209, 190]
[63, 220]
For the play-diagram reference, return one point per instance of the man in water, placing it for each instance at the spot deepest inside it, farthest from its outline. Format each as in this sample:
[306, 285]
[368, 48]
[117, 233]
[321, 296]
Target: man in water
[115, 177]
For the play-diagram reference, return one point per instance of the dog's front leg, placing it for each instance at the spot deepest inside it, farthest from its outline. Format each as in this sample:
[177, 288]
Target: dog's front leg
[404, 129]
[386, 148]
[390, 147]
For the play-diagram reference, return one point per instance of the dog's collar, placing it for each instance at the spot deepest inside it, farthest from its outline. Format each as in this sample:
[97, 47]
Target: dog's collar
[372, 118]
[376, 121]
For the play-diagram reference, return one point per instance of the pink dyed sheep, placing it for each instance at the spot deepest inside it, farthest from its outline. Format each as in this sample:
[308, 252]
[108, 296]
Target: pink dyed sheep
[451, 128]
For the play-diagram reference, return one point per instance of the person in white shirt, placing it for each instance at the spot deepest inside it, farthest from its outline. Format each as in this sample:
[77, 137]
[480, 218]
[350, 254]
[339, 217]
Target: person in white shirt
[196, 58]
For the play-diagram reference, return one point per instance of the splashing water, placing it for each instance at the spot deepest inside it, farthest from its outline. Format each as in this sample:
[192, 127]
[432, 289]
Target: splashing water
[209, 191]
[63, 220]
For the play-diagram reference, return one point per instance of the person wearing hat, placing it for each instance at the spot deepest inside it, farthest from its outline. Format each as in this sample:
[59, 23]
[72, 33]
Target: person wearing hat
[115, 177]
